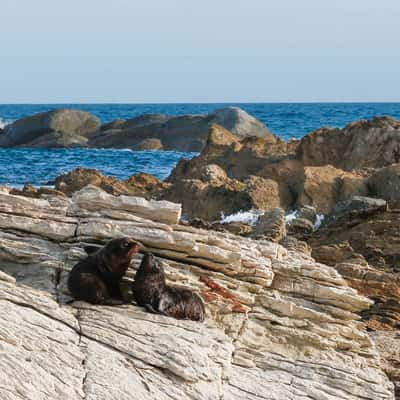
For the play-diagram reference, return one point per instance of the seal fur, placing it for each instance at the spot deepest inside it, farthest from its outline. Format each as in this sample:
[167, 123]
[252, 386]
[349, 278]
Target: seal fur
[151, 291]
[97, 278]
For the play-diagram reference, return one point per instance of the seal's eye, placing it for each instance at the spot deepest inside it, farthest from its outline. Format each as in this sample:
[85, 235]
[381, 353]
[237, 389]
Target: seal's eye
[125, 244]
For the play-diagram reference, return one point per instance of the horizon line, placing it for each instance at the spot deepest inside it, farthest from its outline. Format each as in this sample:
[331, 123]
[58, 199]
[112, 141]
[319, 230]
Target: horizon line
[206, 102]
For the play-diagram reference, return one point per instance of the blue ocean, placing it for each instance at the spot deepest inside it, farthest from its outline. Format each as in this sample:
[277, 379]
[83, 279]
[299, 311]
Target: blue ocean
[42, 166]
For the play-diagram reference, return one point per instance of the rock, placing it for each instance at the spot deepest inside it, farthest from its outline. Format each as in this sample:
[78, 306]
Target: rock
[143, 185]
[350, 148]
[149, 144]
[183, 133]
[115, 124]
[147, 185]
[55, 128]
[385, 183]
[323, 187]
[93, 198]
[357, 206]
[293, 244]
[31, 191]
[240, 123]
[209, 201]
[362, 244]
[388, 345]
[300, 226]
[237, 228]
[80, 177]
[214, 194]
[292, 184]
[373, 235]
[271, 225]
[278, 323]
[307, 212]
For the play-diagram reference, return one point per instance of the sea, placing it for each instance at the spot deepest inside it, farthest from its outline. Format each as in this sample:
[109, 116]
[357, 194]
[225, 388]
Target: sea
[41, 166]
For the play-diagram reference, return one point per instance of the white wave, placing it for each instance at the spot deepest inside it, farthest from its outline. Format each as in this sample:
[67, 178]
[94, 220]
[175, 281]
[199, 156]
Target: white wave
[319, 221]
[246, 217]
[291, 216]
[4, 122]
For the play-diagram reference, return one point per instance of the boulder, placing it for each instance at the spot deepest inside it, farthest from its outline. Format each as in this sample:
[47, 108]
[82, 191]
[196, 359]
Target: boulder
[59, 127]
[241, 123]
[80, 177]
[183, 133]
[322, 187]
[144, 185]
[385, 183]
[213, 194]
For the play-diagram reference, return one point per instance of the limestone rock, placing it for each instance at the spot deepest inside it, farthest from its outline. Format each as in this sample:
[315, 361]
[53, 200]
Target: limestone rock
[279, 325]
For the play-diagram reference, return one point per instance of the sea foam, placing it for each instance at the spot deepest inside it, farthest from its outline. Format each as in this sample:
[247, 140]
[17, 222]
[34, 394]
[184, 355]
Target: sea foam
[4, 122]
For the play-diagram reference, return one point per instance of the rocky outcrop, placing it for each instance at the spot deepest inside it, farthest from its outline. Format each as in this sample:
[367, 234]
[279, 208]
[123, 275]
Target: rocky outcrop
[183, 133]
[58, 128]
[279, 325]
[350, 148]
[144, 185]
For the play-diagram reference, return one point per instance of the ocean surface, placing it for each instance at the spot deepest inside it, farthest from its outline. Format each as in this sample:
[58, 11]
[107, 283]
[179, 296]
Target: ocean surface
[41, 166]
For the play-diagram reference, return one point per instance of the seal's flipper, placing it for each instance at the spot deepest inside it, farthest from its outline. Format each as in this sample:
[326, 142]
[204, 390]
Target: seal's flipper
[150, 308]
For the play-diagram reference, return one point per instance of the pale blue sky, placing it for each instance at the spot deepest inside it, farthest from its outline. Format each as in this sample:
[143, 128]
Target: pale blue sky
[199, 51]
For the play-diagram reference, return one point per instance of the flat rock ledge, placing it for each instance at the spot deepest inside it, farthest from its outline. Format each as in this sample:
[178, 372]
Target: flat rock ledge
[279, 325]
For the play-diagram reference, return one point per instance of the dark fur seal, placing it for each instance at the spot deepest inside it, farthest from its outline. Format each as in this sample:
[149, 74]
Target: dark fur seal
[151, 291]
[97, 278]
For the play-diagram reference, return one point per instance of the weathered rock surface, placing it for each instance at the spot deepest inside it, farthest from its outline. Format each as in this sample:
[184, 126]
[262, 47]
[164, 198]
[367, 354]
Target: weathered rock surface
[58, 128]
[350, 148]
[279, 325]
[325, 167]
[183, 133]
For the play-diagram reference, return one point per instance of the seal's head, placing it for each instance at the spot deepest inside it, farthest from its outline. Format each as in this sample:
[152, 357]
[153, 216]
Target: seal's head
[117, 253]
[150, 265]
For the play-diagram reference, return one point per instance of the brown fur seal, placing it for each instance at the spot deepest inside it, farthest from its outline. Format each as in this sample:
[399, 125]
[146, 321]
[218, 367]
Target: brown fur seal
[151, 291]
[97, 278]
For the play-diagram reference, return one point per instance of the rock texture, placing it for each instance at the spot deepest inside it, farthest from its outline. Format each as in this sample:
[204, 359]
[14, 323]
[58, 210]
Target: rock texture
[324, 168]
[279, 325]
[58, 128]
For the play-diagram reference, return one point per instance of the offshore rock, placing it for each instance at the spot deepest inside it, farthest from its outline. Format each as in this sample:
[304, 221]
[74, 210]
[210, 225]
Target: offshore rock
[57, 128]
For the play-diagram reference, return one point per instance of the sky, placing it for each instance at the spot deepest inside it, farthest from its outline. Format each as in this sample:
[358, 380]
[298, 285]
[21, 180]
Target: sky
[130, 51]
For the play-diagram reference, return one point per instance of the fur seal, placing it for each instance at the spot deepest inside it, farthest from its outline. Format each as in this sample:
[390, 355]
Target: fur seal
[151, 291]
[97, 278]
